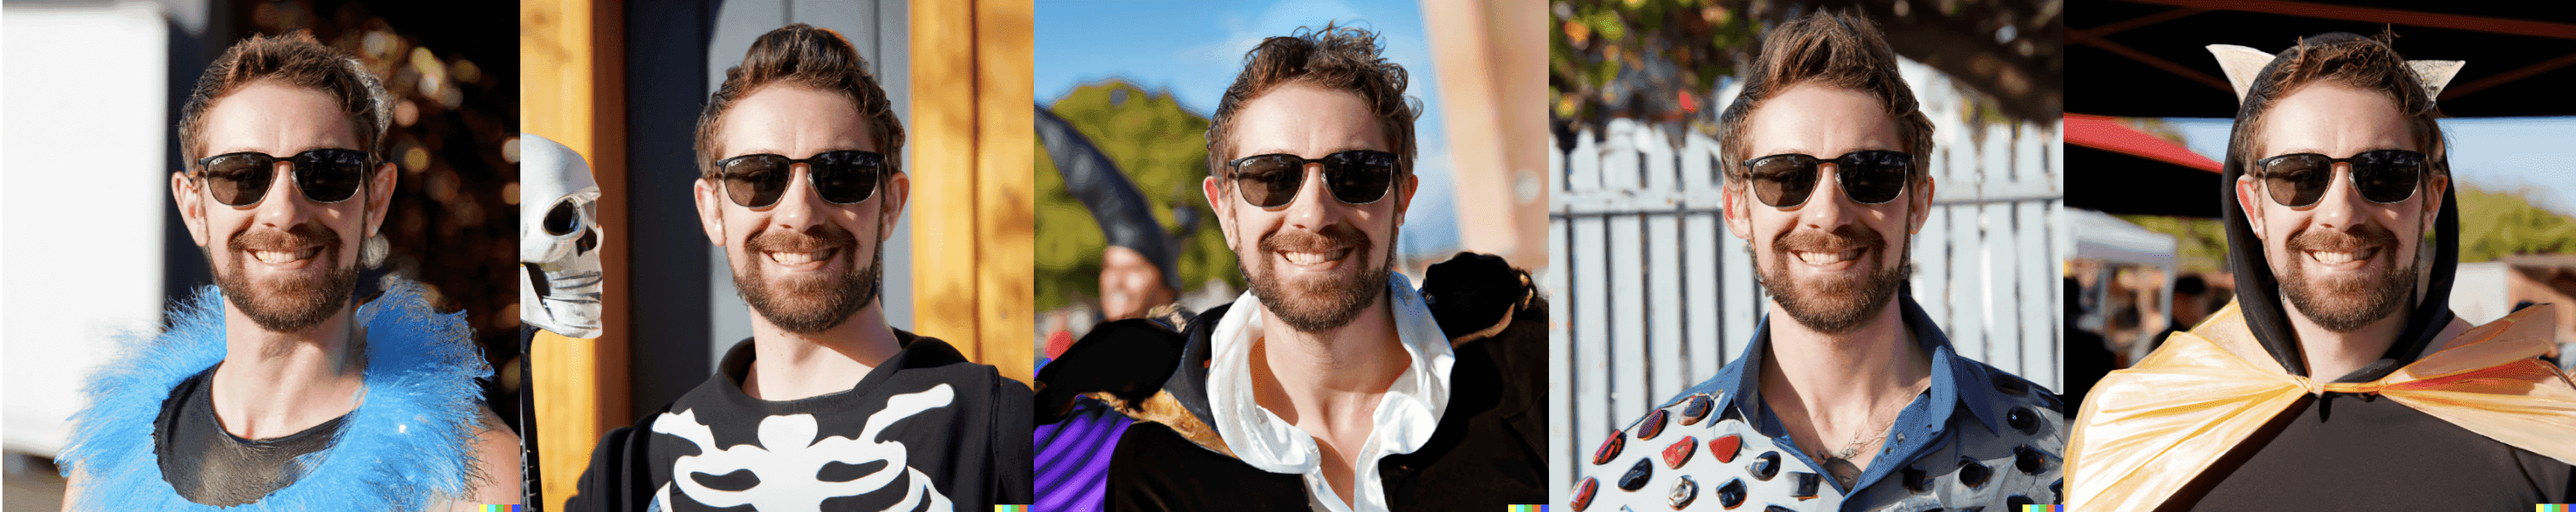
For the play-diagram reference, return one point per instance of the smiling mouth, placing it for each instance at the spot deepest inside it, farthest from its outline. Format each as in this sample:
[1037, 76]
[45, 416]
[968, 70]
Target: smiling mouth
[1311, 258]
[1827, 258]
[800, 258]
[274, 257]
[2337, 258]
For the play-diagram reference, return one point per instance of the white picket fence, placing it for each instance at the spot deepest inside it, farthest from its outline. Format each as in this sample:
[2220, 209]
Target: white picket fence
[1651, 293]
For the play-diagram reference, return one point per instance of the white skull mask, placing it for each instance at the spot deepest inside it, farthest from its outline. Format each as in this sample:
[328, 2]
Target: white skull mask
[559, 239]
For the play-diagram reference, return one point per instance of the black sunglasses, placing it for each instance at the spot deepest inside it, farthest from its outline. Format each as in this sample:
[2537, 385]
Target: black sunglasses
[326, 175]
[1867, 177]
[2382, 175]
[1357, 176]
[842, 177]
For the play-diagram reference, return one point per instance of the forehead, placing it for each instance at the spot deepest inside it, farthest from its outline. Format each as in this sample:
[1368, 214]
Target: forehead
[276, 118]
[1305, 120]
[794, 121]
[2334, 120]
[1821, 121]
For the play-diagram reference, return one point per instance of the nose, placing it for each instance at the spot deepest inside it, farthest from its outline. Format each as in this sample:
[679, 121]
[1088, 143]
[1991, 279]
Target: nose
[1315, 206]
[800, 206]
[2341, 203]
[1827, 208]
[284, 204]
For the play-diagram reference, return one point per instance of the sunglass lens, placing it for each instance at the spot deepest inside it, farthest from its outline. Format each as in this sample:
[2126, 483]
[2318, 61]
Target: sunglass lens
[755, 181]
[1269, 181]
[330, 175]
[1782, 181]
[1874, 177]
[1360, 177]
[2297, 180]
[239, 179]
[2387, 175]
[846, 176]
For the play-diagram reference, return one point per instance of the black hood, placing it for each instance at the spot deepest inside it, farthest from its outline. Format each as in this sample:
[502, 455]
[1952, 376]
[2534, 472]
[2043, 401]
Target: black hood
[2258, 291]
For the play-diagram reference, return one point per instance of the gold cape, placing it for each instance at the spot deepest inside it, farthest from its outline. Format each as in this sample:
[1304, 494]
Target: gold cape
[2149, 429]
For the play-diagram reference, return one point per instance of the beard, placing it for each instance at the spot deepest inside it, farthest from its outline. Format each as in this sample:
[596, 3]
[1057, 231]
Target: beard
[288, 303]
[2346, 303]
[1832, 305]
[1319, 303]
[807, 304]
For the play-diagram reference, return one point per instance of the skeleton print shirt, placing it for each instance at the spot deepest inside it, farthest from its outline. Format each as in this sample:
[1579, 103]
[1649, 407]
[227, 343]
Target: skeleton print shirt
[927, 430]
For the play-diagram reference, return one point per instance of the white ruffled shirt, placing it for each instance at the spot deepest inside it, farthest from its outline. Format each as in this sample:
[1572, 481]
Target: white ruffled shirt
[1405, 418]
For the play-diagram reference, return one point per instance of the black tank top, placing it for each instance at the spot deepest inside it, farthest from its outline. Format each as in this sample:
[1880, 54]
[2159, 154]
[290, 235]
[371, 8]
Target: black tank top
[207, 465]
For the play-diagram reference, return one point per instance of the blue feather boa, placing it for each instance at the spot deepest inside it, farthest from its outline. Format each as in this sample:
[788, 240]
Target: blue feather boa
[409, 444]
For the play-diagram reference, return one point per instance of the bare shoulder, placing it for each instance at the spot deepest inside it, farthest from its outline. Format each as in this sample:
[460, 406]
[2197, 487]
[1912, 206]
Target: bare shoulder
[496, 461]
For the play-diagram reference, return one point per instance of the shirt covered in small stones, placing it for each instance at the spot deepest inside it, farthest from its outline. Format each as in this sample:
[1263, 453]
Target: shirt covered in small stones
[1979, 437]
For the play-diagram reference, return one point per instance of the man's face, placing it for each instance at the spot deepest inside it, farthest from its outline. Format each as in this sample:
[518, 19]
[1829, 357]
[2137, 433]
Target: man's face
[1832, 264]
[286, 262]
[2344, 261]
[799, 261]
[1316, 262]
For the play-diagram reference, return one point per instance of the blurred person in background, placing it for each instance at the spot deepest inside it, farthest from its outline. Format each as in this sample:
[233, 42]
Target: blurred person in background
[277, 387]
[2340, 378]
[798, 151]
[1859, 402]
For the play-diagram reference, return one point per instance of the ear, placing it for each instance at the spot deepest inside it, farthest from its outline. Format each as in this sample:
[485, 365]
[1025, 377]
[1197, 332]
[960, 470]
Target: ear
[1731, 199]
[2248, 197]
[1921, 198]
[2437, 185]
[710, 210]
[898, 192]
[1404, 195]
[192, 206]
[1217, 201]
[380, 196]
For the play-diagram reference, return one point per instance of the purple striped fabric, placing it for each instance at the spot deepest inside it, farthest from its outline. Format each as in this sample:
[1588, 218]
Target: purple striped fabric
[1073, 457]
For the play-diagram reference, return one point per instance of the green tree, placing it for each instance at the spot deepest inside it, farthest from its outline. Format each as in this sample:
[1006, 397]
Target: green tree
[1162, 147]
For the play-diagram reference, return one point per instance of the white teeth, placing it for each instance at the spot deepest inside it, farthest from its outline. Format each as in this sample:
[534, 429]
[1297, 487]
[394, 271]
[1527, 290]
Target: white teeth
[284, 256]
[798, 258]
[1822, 258]
[1310, 258]
[2331, 258]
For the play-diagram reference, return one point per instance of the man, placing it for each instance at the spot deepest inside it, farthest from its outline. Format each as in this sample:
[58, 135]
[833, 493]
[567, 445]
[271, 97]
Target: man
[1330, 385]
[271, 389]
[2339, 379]
[825, 407]
[1858, 402]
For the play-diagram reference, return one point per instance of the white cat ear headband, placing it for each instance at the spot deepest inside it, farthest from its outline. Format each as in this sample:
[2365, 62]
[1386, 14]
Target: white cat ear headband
[2244, 64]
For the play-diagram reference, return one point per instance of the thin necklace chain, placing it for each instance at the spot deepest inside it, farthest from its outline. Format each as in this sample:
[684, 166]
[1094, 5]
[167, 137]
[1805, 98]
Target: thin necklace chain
[1854, 447]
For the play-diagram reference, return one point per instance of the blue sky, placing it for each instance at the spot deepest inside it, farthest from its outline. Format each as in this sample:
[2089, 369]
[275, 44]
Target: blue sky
[1194, 49]
[2536, 155]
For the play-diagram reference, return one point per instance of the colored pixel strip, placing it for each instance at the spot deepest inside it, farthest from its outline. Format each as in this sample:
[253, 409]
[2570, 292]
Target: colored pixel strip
[1528, 508]
[2554, 507]
[500, 508]
[1010, 508]
[2043, 508]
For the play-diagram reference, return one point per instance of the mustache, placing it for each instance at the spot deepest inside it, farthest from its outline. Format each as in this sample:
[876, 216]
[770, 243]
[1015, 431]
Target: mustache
[827, 237]
[2359, 237]
[1337, 236]
[309, 234]
[1847, 237]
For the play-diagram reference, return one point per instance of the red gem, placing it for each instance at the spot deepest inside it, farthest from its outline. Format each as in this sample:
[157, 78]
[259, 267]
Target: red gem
[1609, 448]
[1653, 424]
[1724, 447]
[1680, 452]
[1583, 493]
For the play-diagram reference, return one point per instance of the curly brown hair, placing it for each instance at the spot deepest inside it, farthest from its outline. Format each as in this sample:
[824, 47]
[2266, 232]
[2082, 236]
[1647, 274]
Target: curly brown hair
[1335, 57]
[807, 56]
[2345, 59]
[1830, 48]
[294, 59]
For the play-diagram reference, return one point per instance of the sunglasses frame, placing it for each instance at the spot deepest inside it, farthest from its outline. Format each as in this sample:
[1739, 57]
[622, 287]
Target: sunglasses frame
[2423, 168]
[1842, 165]
[1334, 165]
[296, 172]
[725, 183]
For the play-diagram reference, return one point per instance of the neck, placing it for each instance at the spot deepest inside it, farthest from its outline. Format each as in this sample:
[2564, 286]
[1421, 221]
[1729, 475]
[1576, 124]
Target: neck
[2331, 354]
[791, 365]
[1329, 383]
[1835, 384]
[272, 384]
